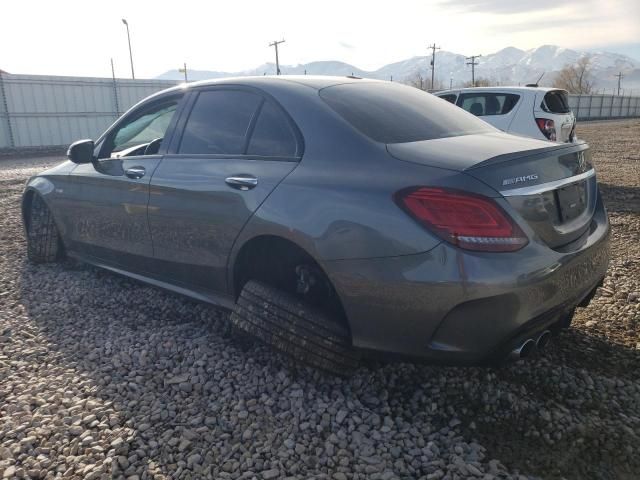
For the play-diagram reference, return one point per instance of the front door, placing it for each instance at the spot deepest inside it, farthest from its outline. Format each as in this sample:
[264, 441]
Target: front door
[235, 148]
[110, 195]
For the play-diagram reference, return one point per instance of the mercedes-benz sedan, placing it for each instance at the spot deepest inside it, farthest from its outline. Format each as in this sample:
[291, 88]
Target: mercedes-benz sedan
[334, 216]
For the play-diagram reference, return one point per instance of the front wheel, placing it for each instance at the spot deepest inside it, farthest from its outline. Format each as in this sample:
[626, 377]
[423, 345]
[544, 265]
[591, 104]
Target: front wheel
[43, 240]
[289, 325]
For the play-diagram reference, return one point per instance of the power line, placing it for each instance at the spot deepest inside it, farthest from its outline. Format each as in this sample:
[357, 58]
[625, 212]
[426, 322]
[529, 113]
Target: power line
[620, 77]
[473, 64]
[275, 44]
[433, 61]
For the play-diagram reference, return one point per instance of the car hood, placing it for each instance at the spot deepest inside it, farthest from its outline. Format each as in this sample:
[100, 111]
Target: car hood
[467, 151]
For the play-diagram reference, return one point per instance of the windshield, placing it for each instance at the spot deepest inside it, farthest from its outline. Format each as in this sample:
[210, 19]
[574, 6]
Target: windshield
[392, 113]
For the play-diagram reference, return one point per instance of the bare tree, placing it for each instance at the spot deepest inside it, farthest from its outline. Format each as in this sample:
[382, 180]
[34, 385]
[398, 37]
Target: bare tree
[576, 78]
[417, 80]
[423, 82]
[480, 82]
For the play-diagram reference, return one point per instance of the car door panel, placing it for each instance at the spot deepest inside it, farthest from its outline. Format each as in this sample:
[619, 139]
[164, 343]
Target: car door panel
[109, 220]
[195, 215]
[207, 186]
[106, 213]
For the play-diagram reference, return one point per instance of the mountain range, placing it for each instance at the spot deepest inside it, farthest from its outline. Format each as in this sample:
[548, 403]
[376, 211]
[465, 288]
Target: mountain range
[509, 66]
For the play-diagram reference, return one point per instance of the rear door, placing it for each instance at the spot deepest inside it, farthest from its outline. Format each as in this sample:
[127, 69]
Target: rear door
[497, 108]
[107, 218]
[236, 145]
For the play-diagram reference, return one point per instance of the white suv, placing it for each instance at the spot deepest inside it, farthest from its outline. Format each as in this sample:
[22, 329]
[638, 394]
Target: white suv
[531, 111]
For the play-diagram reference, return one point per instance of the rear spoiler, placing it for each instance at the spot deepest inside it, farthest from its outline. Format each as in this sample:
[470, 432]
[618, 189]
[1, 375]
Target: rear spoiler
[564, 149]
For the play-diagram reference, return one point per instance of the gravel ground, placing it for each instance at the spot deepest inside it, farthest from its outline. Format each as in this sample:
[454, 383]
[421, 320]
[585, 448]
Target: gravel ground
[103, 377]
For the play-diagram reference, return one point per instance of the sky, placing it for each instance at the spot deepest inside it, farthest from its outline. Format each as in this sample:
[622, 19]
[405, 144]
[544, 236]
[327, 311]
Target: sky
[69, 37]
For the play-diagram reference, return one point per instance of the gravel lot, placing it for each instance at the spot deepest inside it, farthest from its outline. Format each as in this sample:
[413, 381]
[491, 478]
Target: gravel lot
[103, 377]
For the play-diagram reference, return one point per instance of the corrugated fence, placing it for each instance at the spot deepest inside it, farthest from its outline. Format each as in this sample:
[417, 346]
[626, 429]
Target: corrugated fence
[47, 111]
[594, 107]
[42, 111]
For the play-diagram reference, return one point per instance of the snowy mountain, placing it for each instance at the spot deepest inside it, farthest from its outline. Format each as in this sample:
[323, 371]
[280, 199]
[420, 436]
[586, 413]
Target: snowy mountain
[509, 66]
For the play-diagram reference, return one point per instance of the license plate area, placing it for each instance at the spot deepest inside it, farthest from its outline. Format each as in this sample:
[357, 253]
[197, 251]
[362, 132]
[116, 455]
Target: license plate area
[572, 201]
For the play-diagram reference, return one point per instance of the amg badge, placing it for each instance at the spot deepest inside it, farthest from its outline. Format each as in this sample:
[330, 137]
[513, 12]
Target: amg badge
[525, 178]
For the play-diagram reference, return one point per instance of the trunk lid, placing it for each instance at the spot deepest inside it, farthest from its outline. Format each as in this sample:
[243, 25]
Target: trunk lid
[554, 105]
[551, 186]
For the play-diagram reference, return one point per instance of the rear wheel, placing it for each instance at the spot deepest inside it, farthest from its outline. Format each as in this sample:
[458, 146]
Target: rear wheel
[43, 240]
[295, 328]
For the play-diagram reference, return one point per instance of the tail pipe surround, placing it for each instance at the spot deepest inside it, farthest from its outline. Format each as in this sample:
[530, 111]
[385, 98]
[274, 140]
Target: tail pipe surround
[530, 345]
[525, 349]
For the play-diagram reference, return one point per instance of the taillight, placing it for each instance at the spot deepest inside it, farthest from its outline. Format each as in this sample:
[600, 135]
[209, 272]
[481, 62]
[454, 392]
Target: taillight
[547, 127]
[467, 220]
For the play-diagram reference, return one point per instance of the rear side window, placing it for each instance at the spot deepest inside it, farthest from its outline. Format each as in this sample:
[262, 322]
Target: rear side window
[450, 97]
[272, 135]
[483, 104]
[391, 113]
[219, 122]
[556, 101]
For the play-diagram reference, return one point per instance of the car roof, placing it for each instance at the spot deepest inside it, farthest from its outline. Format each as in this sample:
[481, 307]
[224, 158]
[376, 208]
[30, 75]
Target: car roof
[313, 81]
[501, 89]
[316, 82]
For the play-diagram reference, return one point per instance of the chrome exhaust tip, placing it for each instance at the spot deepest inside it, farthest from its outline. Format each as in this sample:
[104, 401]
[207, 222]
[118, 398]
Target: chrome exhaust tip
[524, 350]
[543, 339]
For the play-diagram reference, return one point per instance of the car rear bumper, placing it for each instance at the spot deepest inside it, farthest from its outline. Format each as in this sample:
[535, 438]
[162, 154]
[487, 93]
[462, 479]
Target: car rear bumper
[458, 306]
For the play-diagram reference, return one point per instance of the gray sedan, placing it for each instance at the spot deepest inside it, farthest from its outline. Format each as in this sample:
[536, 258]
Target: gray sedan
[335, 216]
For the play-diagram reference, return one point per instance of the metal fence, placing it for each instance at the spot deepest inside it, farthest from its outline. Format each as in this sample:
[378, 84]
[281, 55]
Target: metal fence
[43, 111]
[47, 111]
[595, 107]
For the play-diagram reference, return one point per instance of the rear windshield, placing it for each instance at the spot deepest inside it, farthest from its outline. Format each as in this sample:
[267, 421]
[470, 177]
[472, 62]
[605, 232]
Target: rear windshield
[556, 101]
[391, 113]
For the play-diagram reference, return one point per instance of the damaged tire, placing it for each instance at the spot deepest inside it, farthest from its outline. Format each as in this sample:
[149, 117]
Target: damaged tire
[290, 326]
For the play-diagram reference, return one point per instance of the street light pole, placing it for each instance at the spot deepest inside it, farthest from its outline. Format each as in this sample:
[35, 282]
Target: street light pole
[133, 75]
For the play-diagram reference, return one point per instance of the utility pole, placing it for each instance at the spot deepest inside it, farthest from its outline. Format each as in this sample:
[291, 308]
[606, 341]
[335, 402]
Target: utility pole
[620, 77]
[433, 61]
[473, 64]
[130, 54]
[275, 44]
[184, 70]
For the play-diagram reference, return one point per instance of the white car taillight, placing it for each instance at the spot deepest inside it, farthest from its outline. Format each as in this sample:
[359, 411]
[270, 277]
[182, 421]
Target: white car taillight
[547, 127]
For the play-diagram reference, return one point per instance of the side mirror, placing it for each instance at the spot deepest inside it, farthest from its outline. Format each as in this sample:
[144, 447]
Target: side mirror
[81, 151]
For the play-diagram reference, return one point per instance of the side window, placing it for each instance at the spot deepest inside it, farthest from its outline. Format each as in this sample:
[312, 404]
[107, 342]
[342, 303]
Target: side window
[450, 97]
[218, 122]
[482, 104]
[272, 135]
[133, 136]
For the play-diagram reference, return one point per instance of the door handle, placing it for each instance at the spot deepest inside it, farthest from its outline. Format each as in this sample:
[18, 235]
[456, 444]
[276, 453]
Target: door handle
[135, 172]
[242, 182]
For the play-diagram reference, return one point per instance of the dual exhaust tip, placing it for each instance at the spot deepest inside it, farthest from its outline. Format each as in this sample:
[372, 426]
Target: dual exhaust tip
[530, 345]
